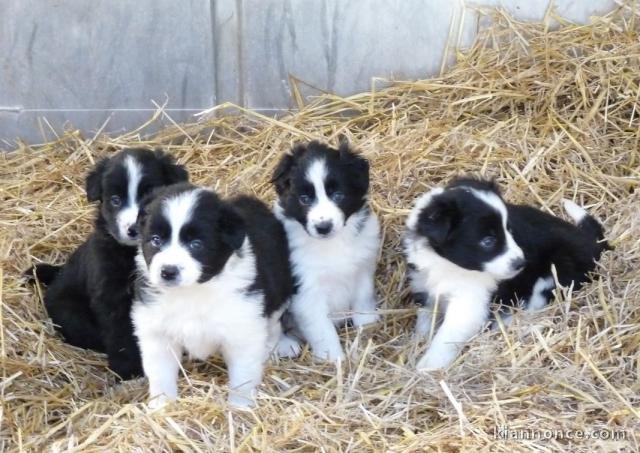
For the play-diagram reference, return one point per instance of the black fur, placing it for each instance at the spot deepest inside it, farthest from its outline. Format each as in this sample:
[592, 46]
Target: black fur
[546, 240]
[348, 173]
[89, 298]
[270, 245]
[456, 221]
[219, 228]
[222, 226]
[44, 273]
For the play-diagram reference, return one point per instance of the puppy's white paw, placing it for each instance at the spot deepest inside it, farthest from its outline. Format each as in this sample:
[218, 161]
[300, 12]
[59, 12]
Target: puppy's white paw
[362, 319]
[436, 359]
[158, 403]
[329, 355]
[287, 347]
[505, 318]
[241, 401]
[423, 324]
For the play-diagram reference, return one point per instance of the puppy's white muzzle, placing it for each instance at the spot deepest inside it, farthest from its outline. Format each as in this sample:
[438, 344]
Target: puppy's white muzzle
[174, 266]
[325, 219]
[509, 264]
[126, 223]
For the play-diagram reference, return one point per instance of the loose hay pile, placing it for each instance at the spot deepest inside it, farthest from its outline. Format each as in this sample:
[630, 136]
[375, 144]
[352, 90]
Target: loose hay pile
[551, 114]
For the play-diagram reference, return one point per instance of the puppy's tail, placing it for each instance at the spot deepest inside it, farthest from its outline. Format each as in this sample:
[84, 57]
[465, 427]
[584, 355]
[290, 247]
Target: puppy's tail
[45, 273]
[587, 223]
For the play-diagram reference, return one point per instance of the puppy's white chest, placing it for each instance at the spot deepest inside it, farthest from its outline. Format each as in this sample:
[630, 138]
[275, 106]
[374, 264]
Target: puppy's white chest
[442, 279]
[330, 271]
[201, 321]
[355, 246]
[199, 346]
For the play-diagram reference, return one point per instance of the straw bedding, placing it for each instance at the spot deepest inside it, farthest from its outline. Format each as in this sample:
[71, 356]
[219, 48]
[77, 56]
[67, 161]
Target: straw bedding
[549, 113]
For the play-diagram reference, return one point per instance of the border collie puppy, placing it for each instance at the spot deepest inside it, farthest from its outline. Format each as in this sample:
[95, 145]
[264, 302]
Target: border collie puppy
[215, 278]
[334, 240]
[466, 247]
[89, 298]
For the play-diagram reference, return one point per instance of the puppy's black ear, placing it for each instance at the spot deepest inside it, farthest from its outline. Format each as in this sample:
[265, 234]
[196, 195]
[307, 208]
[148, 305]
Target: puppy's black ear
[93, 183]
[232, 227]
[143, 206]
[358, 165]
[172, 172]
[437, 220]
[495, 187]
[345, 149]
[281, 177]
[480, 183]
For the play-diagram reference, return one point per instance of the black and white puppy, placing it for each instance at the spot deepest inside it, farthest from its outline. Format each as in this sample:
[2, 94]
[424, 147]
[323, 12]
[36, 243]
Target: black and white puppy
[215, 278]
[466, 247]
[89, 298]
[334, 240]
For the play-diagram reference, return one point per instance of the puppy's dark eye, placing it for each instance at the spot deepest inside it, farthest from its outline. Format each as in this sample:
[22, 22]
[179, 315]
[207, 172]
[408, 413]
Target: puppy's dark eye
[155, 240]
[488, 242]
[305, 200]
[337, 196]
[115, 201]
[195, 245]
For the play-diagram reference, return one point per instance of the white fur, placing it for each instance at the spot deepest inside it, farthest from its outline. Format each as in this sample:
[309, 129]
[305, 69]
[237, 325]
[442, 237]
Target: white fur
[323, 209]
[287, 347]
[501, 266]
[336, 280]
[421, 202]
[424, 319]
[506, 318]
[463, 295]
[178, 212]
[202, 319]
[128, 216]
[537, 299]
[577, 213]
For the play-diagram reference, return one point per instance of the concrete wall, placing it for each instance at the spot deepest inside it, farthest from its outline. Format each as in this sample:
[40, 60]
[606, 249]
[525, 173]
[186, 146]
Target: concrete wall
[103, 62]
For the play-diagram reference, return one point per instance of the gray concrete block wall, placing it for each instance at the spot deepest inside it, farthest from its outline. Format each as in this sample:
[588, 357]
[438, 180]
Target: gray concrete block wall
[89, 62]
[337, 46]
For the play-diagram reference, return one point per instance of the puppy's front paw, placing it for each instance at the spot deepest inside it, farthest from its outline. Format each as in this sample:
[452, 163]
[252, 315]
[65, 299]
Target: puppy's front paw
[423, 324]
[329, 355]
[436, 358]
[158, 403]
[362, 319]
[241, 401]
[287, 347]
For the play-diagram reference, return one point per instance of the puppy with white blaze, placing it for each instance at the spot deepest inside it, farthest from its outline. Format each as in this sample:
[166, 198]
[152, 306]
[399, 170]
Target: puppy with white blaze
[466, 247]
[89, 298]
[215, 277]
[334, 240]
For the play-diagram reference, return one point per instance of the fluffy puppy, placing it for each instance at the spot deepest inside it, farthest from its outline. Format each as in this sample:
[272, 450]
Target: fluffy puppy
[215, 277]
[89, 298]
[334, 240]
[466, 247]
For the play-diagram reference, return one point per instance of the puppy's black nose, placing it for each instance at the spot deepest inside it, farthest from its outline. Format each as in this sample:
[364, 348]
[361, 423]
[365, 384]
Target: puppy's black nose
[169, 273]
[518, 264]
[132, 232]
[324, 228]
